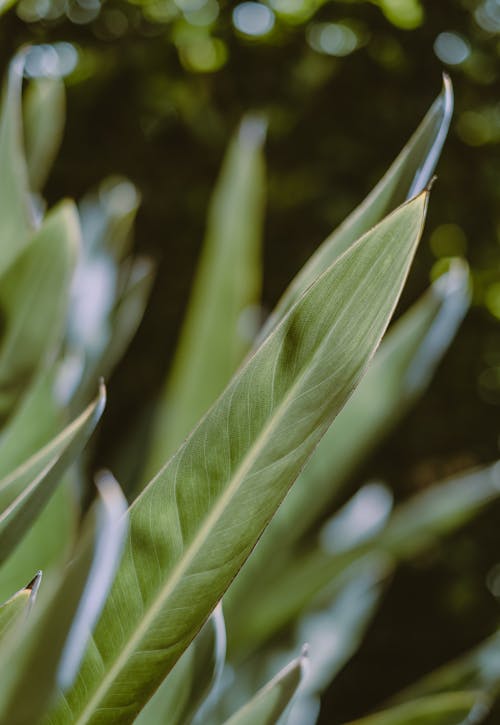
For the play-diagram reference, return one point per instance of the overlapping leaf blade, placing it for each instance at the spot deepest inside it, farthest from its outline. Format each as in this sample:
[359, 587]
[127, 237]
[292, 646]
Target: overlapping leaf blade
[198, 520]
[408, 176]
[33, 298]
[448, 709]
[267, 706]
[60, 615]
[24, 493]
[399, 373]
[16, 214]
[226, 288]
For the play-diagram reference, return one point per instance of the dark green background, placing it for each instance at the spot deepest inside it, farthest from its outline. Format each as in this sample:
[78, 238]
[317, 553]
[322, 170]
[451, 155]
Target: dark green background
[334, 126]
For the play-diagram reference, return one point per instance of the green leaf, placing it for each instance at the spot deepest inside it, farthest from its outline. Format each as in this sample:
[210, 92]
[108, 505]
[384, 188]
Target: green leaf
[271, 702]
[198, 520]
[14, 609]
[16, 213]
[25, 492]
[408, 176]
[34, 297]
[478, 670]
[415, 526]
[55, 636]
[50, 537]
[44, 117]
[226, 289]
[400, 371]
[449, 709]
[5, 5]
[184, 696]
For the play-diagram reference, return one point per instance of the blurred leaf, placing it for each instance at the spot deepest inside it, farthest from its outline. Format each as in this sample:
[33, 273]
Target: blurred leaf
[16, 214]
[50, 537]
[409, 174]
[12, 611]
[5, 5]
[449, 709]
[271, 702]
[227, 285]
[401, 370]
[34, 295]
[477, 670]
[125, 318]
[26, 491]
[44, 117]
[217, 494]
[415, 525]
[63, 616]
[187, 688]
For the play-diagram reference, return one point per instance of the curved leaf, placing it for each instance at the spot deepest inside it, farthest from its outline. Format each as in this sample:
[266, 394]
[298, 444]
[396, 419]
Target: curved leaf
[198, 520]
[400, 371]
[271, 702]
[61, 621]
[407, 177]
[17, 607]
[226, 286]
[26, 491]
[450, 709]
[44, 117]
[16, 214]
[34, 296]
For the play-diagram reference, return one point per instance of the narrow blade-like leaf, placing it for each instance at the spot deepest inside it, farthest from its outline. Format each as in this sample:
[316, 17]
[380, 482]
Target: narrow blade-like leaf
[409, 174]
[196, 523]
[184, 696]
[415, 525]
[17, 607]
[399, 373]
[44, 116]
[16, 214]
[34, 296]
[271, 702]
[61, 621]
[227, 286]
[449, 709]
[25, 492]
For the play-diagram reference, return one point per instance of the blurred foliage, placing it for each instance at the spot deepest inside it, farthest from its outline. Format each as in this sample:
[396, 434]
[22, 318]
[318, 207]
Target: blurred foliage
[156, 88]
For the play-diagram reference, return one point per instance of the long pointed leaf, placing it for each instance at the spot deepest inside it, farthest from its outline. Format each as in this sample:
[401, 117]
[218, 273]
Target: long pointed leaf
[44, 116]
[409, 174]
[449, 709]
[198, 520]
[271, 702]
[17, 607]
[60, 627]
[26, 491]
[415, 525]
[16, 216]
[34, 296]
[227, 283]
[400, 371]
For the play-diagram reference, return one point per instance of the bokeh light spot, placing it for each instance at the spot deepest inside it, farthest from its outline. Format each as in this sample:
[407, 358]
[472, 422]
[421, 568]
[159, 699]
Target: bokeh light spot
[332, 38]
[451, 48]
[253, 19]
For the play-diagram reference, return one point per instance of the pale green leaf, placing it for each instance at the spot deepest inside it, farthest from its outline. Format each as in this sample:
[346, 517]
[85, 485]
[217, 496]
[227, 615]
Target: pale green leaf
[25, 491]
[50, 537]
[448, 709]
[478, 669]
[226, 289]
[55, 636]
[16, 213]
[16, 608]
[44, 117]
[184, 696]
[409, 175]
[198, 520]
[399, 373]
[34, 297]
[415, 525]
[269, 704]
